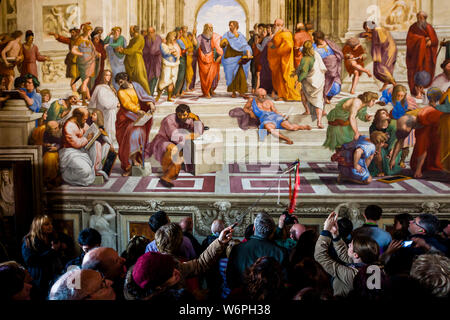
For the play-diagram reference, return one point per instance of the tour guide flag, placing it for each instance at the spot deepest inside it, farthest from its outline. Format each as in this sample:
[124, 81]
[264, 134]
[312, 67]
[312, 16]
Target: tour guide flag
[293, 196]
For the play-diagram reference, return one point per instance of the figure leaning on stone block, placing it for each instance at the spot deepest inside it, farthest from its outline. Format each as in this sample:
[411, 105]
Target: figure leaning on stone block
[167, 146]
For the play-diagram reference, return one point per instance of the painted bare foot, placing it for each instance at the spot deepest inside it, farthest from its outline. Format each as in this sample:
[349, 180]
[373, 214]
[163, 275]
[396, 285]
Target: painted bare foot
[126, 173]
[320, 125]
[418, 174]
[369, 74]
[352, 91]
[233, 95]
[307, 127]
[384, 87]
[279, 99]
[289, 141]
[381, 174]
[306, 113]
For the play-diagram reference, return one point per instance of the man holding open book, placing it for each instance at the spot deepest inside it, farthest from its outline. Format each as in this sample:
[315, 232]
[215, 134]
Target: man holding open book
[133, 122]
[81, 157]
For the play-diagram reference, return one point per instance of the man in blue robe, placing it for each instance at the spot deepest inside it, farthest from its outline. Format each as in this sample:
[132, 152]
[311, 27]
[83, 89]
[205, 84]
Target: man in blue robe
[236, 59]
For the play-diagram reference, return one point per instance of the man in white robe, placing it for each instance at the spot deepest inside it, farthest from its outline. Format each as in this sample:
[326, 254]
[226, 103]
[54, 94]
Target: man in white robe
[105, 99]
[79, 166]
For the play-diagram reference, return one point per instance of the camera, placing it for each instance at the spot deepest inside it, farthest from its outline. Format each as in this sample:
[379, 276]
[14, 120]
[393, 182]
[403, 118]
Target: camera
[290, 219]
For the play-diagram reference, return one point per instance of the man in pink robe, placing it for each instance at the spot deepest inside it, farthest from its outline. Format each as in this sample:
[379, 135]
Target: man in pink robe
[167, 146]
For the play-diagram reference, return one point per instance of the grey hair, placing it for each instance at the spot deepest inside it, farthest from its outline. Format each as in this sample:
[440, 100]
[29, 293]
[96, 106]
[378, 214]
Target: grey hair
[61, 290]
[422, 13]
[433, 272]
[264, 225]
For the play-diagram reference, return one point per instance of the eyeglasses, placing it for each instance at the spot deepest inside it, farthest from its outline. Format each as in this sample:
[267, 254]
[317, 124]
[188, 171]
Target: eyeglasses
[414, 221]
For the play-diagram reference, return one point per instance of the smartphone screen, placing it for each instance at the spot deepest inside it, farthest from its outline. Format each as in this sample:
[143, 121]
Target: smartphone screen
[407, 243]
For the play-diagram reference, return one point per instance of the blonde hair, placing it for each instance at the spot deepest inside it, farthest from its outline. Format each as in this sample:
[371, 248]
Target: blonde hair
[308, 49]
[168, 238]
[36, 231]
[100, 118]
[398, 88]
[378, 137]
[368, 96]
[171, 34]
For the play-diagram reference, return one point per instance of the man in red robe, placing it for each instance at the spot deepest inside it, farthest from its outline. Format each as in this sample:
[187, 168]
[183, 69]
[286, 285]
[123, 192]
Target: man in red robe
[421, 48]
[300, 36]
[432, 126]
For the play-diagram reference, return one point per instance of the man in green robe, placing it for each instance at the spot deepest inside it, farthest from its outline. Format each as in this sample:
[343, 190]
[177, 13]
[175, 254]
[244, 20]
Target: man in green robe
[134, 61]
[61, 107]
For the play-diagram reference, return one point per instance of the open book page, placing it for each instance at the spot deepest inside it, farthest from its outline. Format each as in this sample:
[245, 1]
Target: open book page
[143, 120]
[92, 129]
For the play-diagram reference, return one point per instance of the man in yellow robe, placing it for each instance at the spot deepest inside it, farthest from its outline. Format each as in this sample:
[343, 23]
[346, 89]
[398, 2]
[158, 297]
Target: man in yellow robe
[281, 62]
[134, 61]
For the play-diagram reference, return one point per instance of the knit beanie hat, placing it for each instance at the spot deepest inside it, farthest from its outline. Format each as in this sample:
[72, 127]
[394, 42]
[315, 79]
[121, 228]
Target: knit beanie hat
[153, 269]
[11, 282]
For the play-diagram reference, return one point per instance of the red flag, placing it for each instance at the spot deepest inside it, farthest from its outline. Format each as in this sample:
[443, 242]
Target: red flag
[296, 188]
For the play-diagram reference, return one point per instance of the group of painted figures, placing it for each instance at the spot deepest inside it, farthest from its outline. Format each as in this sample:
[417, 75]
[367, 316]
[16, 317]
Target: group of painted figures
[301, 67]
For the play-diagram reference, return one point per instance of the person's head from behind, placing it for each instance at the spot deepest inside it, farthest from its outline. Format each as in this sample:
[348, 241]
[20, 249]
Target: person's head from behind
[135, 248]
[106, 261]
[168, 238]
[153, 272]
[19, 82]
[425, 224]
[309, 273]
[264, 280]
[264, 225]
[422, 79]
[15, 281]
[300, 27]
[187, 224]
[217, 226]
[363, 249]
[89, 239]
[157, 220]
[433, 273]
[401, 221]
[78, 284]
[97, 117]
[404, 126]
[15, 35]
[373, 212]
[308, 49]
[345, 227]
[249, 231]
[434, 95]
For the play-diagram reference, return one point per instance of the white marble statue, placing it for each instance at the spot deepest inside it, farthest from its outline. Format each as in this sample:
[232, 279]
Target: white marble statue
[99, 222]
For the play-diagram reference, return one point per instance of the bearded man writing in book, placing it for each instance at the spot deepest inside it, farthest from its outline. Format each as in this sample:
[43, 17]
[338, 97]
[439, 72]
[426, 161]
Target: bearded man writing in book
[80, 161]
[132, 139]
